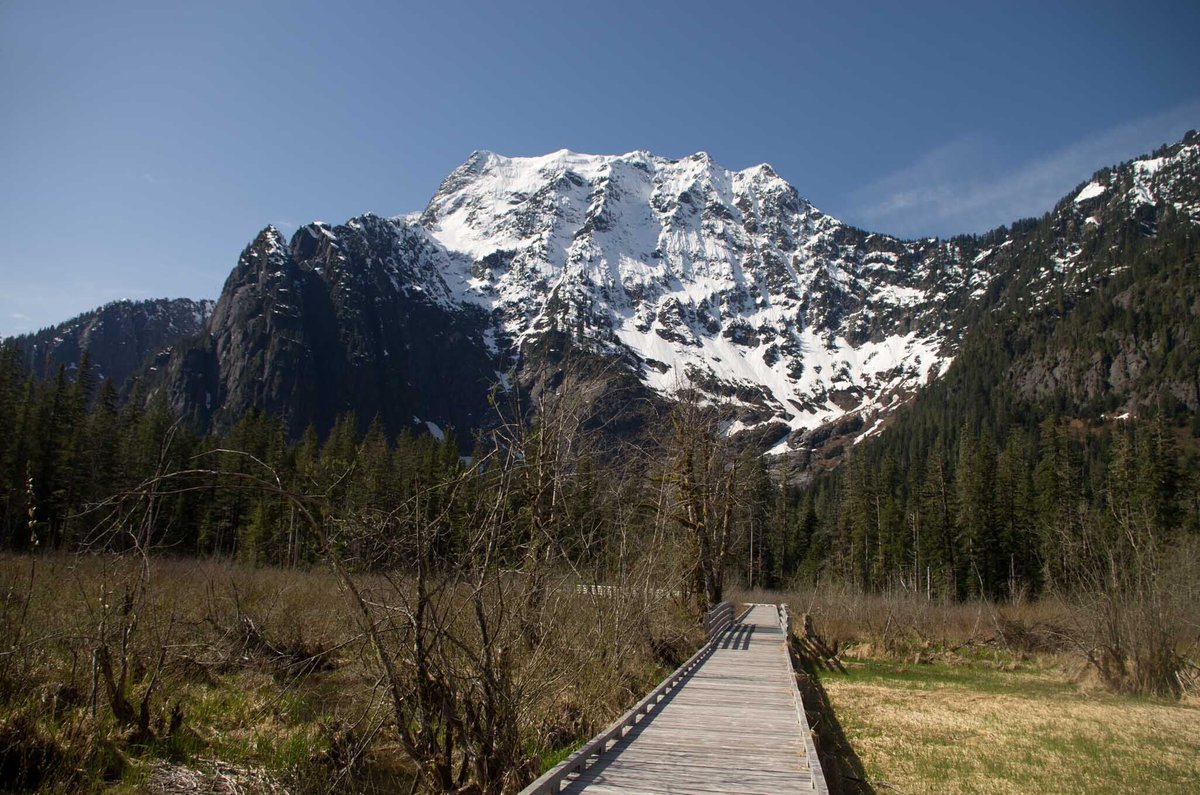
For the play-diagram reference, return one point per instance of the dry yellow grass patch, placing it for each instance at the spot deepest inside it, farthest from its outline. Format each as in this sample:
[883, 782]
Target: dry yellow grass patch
[945, 728]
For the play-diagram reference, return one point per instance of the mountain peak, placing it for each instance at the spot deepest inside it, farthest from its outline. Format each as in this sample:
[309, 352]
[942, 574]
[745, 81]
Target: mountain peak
[691, 269]
[764, 169]
[528, 169]
[269, 239]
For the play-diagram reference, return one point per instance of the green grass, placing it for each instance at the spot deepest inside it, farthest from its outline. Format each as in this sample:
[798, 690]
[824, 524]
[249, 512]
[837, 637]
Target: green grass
[1020, 678]
[554, 756]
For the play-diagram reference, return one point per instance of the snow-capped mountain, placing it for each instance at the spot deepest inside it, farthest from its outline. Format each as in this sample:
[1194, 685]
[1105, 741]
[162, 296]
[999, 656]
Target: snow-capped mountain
[688, 273]
[725, 279]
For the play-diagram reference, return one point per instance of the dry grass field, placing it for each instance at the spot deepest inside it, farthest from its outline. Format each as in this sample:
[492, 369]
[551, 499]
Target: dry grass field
[261, 680]
[246, 679]
[976, 727]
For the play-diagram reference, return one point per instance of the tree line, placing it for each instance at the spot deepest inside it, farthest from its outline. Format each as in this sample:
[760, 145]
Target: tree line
[76, 457]
[71, 445]
[993, 516]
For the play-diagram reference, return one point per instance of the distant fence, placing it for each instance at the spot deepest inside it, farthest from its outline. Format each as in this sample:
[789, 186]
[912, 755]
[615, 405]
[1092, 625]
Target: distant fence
[613, 590]
[716, 621]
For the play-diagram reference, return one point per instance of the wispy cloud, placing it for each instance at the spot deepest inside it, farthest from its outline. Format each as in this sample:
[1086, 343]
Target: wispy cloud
[966, 185]
[148, 177]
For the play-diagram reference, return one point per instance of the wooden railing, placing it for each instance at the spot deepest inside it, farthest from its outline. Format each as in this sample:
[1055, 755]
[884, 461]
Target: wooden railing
[592, 589]
[810, 748]
[716, 621]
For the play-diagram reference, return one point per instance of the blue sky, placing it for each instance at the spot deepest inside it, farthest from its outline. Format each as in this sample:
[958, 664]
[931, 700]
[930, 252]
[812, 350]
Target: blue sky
[144, 144]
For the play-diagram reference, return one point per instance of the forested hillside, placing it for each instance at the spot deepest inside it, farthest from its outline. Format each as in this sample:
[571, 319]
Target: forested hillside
[122, 337]
[71, 445]
[1067, 418]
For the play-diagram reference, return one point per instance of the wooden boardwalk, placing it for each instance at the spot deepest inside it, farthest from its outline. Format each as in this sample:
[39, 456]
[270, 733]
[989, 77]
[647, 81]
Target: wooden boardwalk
[733, 724]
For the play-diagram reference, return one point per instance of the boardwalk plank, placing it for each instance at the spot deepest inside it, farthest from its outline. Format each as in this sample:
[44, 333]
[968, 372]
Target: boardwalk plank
[731, 726]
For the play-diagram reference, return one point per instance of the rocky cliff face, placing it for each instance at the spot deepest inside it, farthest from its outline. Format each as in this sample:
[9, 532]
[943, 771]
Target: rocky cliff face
[336, 321]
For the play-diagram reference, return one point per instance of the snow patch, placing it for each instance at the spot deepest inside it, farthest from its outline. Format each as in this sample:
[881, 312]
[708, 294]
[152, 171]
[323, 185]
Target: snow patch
[1149, 166]
[875, 428]
[1142, 191]
[781, 447]
[1090, 191]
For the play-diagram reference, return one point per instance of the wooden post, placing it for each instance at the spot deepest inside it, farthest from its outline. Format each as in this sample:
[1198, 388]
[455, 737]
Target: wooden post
[808, 630]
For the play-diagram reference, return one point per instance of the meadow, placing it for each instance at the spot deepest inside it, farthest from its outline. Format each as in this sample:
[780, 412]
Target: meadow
[911, 695]
[123, 674]
[120, 674]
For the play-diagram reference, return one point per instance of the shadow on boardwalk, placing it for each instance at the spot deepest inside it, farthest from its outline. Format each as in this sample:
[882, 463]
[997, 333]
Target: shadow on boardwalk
[844, 772]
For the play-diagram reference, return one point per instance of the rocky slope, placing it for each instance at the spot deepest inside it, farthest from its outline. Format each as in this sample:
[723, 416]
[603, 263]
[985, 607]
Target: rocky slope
[693, 274]
[338, 321]
[122, 337]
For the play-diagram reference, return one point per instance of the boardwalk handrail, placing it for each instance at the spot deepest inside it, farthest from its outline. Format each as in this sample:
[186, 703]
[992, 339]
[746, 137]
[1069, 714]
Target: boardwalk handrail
[551, 781]
[810, 748]
[718, 620]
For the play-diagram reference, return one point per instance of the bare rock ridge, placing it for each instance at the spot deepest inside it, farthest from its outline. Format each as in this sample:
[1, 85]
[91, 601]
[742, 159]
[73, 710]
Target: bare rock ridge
[333, 323]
